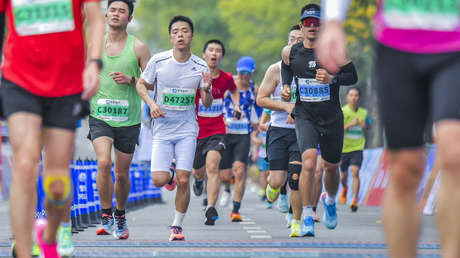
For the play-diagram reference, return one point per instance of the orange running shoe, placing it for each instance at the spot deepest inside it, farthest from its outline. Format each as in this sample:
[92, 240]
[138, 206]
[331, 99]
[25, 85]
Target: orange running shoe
[236, 217]
[176, 234]
[343, 195]
[354, 205]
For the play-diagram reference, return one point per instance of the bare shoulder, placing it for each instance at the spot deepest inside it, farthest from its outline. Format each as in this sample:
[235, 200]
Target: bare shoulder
[140, 48]
[286, 53]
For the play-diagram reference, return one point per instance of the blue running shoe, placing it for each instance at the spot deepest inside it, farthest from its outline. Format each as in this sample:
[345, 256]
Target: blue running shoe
[330, 213]
[283, 203]
[288, 219]
[121, 229]
[106, 228]
[269, 204]
[308, 226]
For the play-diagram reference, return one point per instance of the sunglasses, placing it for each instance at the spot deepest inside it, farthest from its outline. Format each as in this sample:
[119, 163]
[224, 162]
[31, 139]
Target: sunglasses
[245, 72]
[307, 22]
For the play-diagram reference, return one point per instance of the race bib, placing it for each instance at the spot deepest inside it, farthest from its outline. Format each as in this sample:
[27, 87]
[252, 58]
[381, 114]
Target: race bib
[442, 15]
[237, 126]
[312, 91]
[34, 17]
[354, 132]
[112, 110]
[214, 110]
[178, 98]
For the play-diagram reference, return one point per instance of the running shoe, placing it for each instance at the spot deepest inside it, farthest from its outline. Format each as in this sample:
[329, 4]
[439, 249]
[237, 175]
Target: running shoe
[211, 216]
[354, 205]
[47, 250]
[296, 230]
[204, 204]
[343, 195]
[315, 217]
[269, 204]
[106, 227]
[236, 217]
[35, 252]
[288, 219]
[121, 228]
[171, 185]
[176, 234]
[330, 213]
[283, 203]
[271, 193]
[308, 226]
[261, 193]
[198, 187]
[225, 199]
[64, 238]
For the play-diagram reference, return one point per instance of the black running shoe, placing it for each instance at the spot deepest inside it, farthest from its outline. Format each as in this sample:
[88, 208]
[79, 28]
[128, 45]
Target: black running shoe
[198, 187]
[211, 216]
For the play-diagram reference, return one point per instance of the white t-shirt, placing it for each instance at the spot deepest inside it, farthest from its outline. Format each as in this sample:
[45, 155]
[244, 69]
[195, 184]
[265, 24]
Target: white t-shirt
[175, 85]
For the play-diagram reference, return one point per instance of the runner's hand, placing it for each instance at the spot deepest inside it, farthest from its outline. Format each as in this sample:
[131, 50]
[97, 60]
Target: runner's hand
[155, 111]
[355, 122]
[207, 81]
[331, 46]
[90, 81]
[289, 107]
[290, 120]
[237, 109]
[286, 94]
[323, 77]
[120, 78]
[263, 127]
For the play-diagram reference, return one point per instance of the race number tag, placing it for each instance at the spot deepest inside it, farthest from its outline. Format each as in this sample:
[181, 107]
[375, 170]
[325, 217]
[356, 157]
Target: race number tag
[312, 91]
[354, 132]
[441, 15]
[214, 110]
[237, 126]
[178, 98]
[112, 110]
[35, 17]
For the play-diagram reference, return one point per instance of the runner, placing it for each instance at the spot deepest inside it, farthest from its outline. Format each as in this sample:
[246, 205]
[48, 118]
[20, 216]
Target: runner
[116, 115]
[318, 117]
[353, 145]
[211, 136]
[175, 76]
[43, 91]
[282, 149]
[417, 64]
[240, 125]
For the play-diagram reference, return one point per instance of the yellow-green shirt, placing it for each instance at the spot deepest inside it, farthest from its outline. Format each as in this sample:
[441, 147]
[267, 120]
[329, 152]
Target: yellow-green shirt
[353, 139]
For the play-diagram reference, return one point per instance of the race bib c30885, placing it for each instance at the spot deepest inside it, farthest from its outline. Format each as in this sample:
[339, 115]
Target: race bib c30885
[312, 91]
[35, 17]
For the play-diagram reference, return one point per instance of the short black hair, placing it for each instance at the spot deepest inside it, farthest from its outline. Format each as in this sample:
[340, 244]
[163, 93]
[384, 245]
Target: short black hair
[354, 88]
[130, 4]
[214, 41]
[310, 7]
[295, 27]
[180, 18]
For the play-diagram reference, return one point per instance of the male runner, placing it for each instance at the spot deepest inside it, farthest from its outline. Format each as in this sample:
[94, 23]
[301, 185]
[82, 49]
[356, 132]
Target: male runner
[240, 125]
[354, 119]
[417, 64]
[282, 149]
[211, 136]
[42, 92]
[318, 117]
[175, 76]
[116, 115]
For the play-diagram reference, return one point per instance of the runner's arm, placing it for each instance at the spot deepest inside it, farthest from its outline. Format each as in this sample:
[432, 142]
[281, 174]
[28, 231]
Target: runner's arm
[142, 89]
[347, 75]
[335, 10]
[268, 86]
[286, 74]
[263, 123]
[205, 89]
[142, 54]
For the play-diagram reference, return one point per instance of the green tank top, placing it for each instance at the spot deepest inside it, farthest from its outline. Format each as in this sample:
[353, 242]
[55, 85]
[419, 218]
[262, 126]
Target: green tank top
[118, 104]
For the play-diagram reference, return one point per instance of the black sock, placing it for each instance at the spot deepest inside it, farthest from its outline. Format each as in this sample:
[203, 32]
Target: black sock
[290, 209]
[236, 207]
[107, 211]
[283, 189]
[314, 208]
[119, 213]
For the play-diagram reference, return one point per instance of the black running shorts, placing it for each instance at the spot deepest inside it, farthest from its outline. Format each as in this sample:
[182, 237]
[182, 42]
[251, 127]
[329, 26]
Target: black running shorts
[236, 149]
[354, 158]
[282, 148]
[214, 142]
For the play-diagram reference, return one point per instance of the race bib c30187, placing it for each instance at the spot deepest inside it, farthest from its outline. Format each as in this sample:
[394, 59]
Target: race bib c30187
[35, 17]
[112, 110]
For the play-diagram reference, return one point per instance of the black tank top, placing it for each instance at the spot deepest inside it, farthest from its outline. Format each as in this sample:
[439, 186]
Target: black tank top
[316, 102]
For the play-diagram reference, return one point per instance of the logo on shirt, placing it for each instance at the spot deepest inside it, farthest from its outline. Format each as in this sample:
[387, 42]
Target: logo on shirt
[311, 64]
[194, 69]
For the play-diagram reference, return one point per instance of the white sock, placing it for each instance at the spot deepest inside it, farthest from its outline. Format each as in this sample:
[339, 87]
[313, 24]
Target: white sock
[178, 219]
[307, 211]
[330, 199]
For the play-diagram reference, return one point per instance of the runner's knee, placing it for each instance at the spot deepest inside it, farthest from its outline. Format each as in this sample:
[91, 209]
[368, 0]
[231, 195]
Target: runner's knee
[57, 189]
[293, 174]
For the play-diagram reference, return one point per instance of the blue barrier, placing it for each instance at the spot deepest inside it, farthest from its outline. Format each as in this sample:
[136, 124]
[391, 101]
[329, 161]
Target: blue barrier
[86, 207]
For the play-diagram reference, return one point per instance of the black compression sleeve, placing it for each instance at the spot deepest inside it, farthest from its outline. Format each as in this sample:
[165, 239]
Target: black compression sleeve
[286, 73]
[347, 75]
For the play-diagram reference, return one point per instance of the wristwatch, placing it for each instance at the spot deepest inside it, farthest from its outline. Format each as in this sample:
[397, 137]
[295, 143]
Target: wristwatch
[98, 62]
[334, 80]
[133, 80]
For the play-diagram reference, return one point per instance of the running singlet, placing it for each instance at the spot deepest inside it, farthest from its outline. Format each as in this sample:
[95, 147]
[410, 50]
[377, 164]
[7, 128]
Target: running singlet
[211, 119]
[118, 104]
[45, 54]
[423, 26]
[314, 101]
[354, 137]
[248, 115]
[278, 118]
[176, 85]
